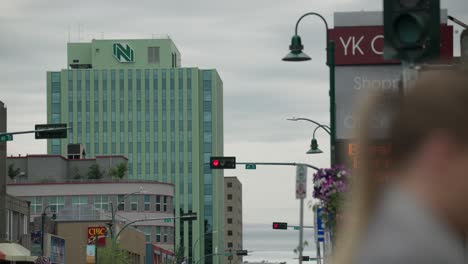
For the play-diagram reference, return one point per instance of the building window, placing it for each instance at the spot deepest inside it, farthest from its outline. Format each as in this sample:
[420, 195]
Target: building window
[165, 204]
[229, 233]
[36, 204]
[165, 235]
[79, 200]
[158, 234]
[134, 203]
[229, 208]
[229, 185]
[101, 202]
[229, 220]
[147, 231]
[229, 245]
[57, 203]
[153, 54]
[121, 202]
[147, 202]
[158, 203]
[229, 197]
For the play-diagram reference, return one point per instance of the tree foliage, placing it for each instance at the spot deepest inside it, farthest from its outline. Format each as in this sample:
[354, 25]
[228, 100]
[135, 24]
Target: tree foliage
[95, 172]
[119, 171]
[12, 172]
[112, 253]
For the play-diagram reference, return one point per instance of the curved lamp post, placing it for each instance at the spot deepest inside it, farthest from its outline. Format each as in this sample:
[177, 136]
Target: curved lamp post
[313, 144]
[296, 54]
[43, 218]
[114, 210]
[199, 238]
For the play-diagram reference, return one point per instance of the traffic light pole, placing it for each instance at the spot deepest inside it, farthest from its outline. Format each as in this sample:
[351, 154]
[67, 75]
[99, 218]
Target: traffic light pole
[301, 204]
[279, 164]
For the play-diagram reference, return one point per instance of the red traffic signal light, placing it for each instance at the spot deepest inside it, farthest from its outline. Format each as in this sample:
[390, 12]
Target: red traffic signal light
[280, 225]
[223, 162]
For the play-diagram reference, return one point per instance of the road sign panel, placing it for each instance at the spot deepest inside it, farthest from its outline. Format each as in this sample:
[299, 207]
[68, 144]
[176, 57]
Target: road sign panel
[250, 166]
[167, 220]
[301, 181]
[296, 228]
[6, 137]
[51, 131]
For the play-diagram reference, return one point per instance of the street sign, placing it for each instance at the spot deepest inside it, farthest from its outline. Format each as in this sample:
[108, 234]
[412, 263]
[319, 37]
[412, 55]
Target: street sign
[51, 131]
[167, 220]
[6, 137]
[241, 252]
[296, 228]
[320, 230]
[301, 181]
[250, 166]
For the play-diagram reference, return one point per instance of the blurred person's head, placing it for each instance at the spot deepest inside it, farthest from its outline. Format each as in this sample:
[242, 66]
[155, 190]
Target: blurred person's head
[429, 138]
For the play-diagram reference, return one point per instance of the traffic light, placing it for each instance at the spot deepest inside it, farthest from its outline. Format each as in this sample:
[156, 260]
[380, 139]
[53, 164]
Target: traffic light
[411, 29]
[280, 225]
[241, 253]
[305, 258]
[51, 131]
[223, 163]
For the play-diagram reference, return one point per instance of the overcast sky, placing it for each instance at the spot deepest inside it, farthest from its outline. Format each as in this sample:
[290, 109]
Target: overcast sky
[244, 40]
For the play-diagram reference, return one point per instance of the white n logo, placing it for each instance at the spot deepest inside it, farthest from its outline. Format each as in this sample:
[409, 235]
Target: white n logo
[123, 52]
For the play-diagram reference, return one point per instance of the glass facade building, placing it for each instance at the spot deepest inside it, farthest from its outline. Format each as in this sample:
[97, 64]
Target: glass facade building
[131, 97]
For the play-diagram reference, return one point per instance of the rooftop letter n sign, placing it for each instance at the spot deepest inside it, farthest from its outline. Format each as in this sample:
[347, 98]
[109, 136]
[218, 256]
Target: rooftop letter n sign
[123, 52]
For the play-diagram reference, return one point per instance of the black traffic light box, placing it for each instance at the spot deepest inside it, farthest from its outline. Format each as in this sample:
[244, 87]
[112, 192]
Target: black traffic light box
[60, 132]
[305, 258]
[280, 225]
[219, 163]
[411, 29]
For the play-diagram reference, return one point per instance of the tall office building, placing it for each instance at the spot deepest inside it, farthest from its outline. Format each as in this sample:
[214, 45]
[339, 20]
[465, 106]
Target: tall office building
[132, 97]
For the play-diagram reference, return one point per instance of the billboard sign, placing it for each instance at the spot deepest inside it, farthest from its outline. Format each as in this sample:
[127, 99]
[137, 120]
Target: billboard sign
[351, 86]
[57, 249]
[90, 254]
[97, 234]
[301, 181]
[364, 45]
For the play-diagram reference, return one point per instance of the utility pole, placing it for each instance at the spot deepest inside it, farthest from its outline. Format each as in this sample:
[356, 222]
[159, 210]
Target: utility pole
[3, 175]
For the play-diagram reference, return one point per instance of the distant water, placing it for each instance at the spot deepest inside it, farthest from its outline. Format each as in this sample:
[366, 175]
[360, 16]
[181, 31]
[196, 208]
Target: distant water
[275, 245]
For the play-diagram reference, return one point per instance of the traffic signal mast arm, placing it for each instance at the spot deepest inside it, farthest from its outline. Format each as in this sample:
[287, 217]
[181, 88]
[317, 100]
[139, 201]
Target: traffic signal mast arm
[280, 164]
[35, 131]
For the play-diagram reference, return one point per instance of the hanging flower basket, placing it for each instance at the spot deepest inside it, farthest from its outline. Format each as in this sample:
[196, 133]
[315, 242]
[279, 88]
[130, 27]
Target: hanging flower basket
[330, 186]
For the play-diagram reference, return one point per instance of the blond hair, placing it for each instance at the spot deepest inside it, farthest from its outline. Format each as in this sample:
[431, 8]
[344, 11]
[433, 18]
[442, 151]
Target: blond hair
[438, 101]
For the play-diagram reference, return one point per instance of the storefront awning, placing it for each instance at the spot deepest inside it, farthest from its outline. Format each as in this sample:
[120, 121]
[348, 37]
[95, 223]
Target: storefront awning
[15, 252]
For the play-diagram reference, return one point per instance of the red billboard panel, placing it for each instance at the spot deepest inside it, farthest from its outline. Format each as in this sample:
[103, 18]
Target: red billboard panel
[97, 235]
[364, 45]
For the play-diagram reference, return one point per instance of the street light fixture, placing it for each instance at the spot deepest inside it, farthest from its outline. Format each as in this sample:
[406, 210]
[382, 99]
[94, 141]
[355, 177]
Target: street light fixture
[296, 54]
[314, 149]
[296, 48]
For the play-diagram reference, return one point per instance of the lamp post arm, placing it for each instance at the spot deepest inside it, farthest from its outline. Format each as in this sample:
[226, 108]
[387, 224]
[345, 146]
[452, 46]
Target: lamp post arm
[325, 127]
[313, 14]
[322, 127]
[143, 220]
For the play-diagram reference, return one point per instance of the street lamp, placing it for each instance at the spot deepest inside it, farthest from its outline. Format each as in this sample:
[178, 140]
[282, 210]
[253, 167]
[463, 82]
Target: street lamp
[297, 54]
[114, 210]
[314, 149]
[43, 218]
[200, 237]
